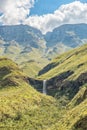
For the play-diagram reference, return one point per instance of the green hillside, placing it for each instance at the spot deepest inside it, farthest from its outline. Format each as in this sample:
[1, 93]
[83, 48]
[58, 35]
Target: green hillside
[21, 106]
[74, 60]
[66, 73]
[32, 67]
[74, 119]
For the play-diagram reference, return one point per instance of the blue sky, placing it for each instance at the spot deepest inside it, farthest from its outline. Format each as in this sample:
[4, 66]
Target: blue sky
[48, 6]
[44, 15]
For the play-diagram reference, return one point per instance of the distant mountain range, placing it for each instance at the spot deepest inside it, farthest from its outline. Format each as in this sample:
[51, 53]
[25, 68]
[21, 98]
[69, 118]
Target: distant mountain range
[71, 35]
[24, 43]
[22, 34]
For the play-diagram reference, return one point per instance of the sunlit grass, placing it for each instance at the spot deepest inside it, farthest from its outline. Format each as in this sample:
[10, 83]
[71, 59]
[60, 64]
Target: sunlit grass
[69, 61]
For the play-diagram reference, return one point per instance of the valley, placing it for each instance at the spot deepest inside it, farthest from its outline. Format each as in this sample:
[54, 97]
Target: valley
[56, 61]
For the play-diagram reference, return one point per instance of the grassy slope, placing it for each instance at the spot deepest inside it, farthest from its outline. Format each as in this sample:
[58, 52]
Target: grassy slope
[75, 60]
[74, 119]
[31, 68]
[22, 107]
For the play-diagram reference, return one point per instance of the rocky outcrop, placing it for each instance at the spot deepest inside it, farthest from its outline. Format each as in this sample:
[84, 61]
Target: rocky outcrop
[64, 87]
[37, 84]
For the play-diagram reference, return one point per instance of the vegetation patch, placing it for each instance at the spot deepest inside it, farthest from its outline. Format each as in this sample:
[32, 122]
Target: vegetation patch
[81, 124]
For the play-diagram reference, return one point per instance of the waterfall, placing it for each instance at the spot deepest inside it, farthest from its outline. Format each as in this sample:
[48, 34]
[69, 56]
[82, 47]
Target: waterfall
[44, 87]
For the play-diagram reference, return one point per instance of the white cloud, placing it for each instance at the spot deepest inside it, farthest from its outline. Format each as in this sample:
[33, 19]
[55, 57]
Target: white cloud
[15, 11]
[75, 12]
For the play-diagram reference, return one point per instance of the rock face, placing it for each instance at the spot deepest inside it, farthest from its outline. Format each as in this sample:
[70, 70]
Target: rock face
[64, 85]
[37, 84]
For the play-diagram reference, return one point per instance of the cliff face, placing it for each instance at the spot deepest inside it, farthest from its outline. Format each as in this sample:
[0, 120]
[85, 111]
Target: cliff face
[60, 86]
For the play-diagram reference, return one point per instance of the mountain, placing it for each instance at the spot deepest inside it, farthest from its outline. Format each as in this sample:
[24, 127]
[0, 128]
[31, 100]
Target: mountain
[22, 34]
[71, 35]
[20, 38]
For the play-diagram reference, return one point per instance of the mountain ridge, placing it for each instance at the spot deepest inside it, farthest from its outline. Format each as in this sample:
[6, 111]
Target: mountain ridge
[67, 32]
